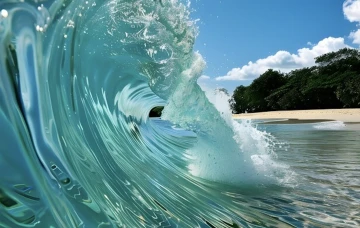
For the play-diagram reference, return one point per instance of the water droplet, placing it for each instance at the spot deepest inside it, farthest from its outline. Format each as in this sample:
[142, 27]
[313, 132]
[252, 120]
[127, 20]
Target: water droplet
[4, 13]
[65, 181]
[70, 24]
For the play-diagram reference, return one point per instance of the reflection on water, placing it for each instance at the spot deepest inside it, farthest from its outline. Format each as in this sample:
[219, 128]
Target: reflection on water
[327, 163]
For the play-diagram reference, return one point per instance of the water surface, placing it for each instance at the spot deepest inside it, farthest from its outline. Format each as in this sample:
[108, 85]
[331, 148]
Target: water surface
[77, 82]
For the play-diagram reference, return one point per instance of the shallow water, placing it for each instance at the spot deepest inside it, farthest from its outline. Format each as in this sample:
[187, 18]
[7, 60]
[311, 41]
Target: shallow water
[77, 82]
[326, 159]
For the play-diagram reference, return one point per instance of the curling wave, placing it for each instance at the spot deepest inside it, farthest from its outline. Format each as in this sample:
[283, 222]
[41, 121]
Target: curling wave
[78, 80]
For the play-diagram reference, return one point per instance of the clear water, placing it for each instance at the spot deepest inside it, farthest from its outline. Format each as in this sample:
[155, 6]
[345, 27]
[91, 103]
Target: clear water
[326, 159]
[77, 81]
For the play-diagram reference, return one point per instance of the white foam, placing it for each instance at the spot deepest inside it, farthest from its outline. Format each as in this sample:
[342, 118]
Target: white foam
[254, 158]
[330, 125]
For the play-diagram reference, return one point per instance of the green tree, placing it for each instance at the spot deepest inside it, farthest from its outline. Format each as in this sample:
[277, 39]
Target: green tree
[333, 83]
[348, 91]
[239, 100]
[291, 95]
[262, 87]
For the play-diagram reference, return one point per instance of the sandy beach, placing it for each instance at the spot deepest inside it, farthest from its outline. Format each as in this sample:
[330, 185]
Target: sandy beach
[345, 115]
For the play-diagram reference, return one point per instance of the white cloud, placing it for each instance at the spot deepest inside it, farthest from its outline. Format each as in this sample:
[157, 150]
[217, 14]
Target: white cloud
[204, 82]
[355, 36]
[305, 57]
[285, 61]
[351, 10]
[204, 77]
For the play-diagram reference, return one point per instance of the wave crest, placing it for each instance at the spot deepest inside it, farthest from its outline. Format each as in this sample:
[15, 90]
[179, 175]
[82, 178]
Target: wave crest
[78, 79]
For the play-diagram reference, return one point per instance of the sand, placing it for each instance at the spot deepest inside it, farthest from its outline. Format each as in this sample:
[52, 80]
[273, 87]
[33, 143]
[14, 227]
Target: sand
[345, 115]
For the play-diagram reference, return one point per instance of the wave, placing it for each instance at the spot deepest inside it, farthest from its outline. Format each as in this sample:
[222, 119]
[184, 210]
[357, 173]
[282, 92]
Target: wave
[330, 125]
[78, 80]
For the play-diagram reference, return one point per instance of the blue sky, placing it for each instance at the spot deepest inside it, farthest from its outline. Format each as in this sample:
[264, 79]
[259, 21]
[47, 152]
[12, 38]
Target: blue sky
[279, 34]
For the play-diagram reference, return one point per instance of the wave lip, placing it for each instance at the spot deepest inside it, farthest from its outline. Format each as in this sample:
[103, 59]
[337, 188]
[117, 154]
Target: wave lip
[78, 79]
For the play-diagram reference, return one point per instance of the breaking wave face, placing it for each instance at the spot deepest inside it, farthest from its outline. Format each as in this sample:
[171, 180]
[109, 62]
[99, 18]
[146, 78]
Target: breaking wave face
[78, 79]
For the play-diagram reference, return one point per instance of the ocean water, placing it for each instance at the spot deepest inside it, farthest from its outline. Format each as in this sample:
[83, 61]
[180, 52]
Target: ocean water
[77, 81]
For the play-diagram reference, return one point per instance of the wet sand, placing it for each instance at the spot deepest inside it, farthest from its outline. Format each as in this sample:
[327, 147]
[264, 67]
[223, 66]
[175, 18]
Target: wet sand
[344, 115]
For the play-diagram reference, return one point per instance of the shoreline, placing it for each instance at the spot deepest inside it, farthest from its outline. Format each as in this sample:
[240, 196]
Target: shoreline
[345, 115]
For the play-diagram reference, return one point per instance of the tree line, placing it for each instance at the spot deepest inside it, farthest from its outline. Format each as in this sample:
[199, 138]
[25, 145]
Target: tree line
[333, 83]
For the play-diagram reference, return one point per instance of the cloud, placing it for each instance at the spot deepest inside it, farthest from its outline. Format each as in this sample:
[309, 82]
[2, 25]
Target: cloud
[305, 57]
[204, 77]
[285, 61]
[351, 10]
[205, 82]
[355, 36]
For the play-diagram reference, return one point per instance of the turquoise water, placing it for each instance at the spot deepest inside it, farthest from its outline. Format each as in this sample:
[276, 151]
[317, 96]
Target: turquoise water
[77, 81]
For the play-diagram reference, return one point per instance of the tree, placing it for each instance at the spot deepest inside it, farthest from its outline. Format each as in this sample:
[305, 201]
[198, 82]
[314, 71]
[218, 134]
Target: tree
[348, 92]
[333, 57]
[239, 100]
[262, 87]
[223, 90]
[333, 83]
[291, 95]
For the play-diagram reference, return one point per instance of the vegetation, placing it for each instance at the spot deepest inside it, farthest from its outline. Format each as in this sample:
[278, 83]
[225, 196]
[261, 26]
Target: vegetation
[333, 83]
